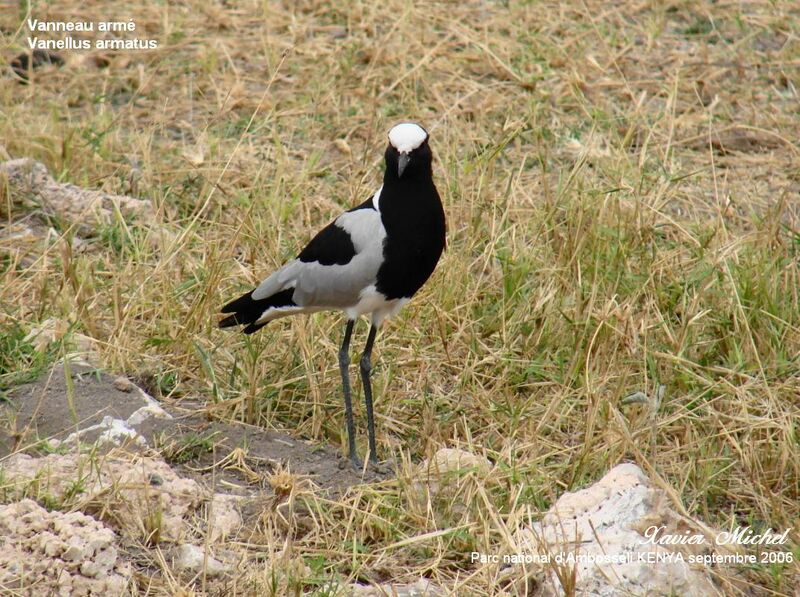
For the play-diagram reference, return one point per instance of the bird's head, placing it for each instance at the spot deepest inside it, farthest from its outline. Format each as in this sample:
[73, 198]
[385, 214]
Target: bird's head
[408, 153]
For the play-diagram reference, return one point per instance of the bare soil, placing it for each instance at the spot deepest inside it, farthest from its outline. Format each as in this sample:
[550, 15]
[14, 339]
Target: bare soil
[50, 408]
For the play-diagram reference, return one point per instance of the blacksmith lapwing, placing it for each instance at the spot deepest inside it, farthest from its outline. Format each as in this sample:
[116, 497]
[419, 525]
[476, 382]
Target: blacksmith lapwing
[369, 260]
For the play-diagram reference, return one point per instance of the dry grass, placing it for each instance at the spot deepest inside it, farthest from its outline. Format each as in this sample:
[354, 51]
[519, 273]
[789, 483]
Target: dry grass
[621, 184]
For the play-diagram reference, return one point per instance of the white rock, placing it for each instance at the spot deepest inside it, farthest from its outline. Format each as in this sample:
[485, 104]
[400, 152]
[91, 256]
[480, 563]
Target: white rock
[224, 518]
[451, 460]
[422, 588]
[31, 182]
[126, 478]
[90, 569]
[116, 432]
[443, 477]
[54, 329]
[192, 559]
[51, 545]
[146, 412]
[57, 560]
[73, 553]
[609, 518]
[152, 404]
[112, 431]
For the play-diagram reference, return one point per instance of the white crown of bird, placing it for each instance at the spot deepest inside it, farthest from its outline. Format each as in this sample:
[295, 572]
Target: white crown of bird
[407, 136]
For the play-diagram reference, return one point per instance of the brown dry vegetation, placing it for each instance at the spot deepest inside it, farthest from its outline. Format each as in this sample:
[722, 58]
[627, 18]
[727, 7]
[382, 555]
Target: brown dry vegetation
[621, 184]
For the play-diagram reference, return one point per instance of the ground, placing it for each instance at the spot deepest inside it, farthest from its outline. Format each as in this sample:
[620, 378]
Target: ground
[621, 186]
[192, 442]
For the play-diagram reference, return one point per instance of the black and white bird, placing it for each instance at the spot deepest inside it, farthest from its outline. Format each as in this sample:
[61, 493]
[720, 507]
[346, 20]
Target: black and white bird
[369, 261]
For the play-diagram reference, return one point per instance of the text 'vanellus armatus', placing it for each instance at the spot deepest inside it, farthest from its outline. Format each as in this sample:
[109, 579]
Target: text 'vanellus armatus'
[369, 260]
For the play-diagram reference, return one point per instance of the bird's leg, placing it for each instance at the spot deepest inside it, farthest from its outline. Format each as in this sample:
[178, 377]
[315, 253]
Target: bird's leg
[344, 364]
[366, 368]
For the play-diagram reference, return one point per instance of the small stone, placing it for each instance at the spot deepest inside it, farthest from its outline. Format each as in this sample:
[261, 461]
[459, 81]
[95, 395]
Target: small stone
[64, 583]
[441, 476]
[155, 480]
[422, 588]
[449, 460]
[53, 547]
[190, 558]
[224, 518]
[123, 384]
[90, 569]
[98, 543]
[72, 554]
[381, 468]
[343, 146]
[106, 558]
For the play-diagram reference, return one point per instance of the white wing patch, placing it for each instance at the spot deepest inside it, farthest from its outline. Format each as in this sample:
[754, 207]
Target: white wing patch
[337, 286]
[407, 136]
[365, 229]
[278, 312]
[376, 199]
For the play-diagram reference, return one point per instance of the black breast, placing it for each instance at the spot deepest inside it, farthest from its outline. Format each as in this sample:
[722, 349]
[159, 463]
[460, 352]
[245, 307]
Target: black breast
[414, 220]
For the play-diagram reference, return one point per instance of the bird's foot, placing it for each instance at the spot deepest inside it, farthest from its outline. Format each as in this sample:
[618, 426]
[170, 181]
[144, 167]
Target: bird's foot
[380, 468]
[377, 467]
[373, 464]
[353, 461]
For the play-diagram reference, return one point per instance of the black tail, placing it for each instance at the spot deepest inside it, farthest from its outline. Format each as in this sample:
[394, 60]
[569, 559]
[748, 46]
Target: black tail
[246, 311]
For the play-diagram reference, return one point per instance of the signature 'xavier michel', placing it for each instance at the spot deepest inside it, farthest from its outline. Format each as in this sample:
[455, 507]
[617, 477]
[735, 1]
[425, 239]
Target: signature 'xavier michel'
[370, 260]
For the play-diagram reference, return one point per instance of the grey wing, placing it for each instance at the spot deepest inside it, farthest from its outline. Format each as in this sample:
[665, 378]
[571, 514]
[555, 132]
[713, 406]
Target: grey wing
[320, 285]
